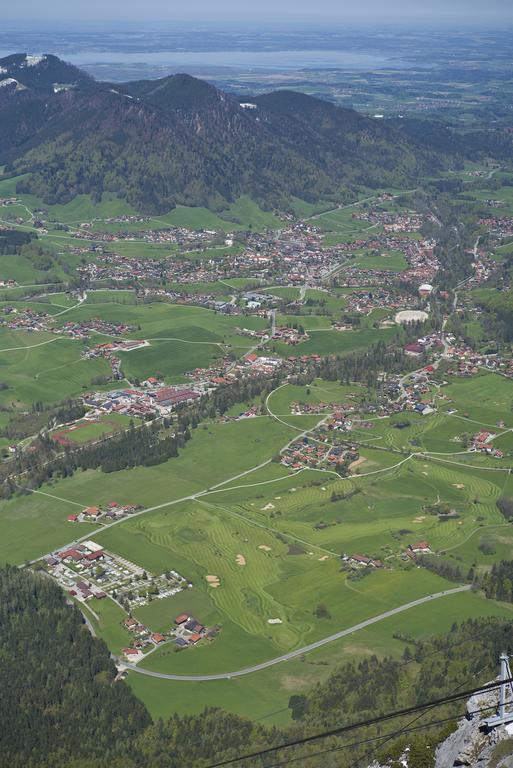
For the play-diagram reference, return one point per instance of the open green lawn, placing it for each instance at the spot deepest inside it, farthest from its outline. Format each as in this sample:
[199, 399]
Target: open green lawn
[333, 342]
[106, 616]
[34, 524]
[44, 367]
[392, 261]
[483, 399]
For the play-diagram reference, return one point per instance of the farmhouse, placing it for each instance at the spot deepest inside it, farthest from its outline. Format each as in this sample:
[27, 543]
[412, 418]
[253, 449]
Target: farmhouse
[421, 547]
[131, 624]
[362, 561]
[93, 512]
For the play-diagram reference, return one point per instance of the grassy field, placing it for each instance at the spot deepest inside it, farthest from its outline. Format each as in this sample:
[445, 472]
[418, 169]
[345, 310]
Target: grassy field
[264, 696]
[34, 524]
[46, 367]
[332, 342]
[242, 214]
[485, 400]
[393, 261]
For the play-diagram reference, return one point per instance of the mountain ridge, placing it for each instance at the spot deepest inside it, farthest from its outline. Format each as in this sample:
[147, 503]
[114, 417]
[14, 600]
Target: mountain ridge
[180, 140]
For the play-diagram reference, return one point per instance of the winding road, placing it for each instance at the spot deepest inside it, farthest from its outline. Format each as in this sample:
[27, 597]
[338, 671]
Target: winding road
[298, 651]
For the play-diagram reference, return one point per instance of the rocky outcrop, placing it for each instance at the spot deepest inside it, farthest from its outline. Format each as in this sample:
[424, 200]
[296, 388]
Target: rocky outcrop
[471, 744]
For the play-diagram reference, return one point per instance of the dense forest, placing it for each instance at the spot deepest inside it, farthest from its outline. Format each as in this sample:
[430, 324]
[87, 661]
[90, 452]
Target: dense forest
[12, 240]
[365, 366]
[63, 708]
[498, 583]
[59, 701]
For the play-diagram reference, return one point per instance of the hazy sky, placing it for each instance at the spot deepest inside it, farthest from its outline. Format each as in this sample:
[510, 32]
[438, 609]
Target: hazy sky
[453, 13]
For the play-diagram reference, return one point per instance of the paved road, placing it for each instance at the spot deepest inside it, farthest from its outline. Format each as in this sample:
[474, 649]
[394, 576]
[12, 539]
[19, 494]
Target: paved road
[299, 651]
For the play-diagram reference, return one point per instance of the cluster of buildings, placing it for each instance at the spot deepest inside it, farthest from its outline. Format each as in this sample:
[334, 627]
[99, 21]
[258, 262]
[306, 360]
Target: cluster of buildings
[418, 548]
[288, 335]
[393, 222]
[482, 443]
[83, 329]
[151, 398]
[314, 452]
[430, 343]
[361, 561]
[498, 226]
[24, 319]
[107, 512]
[87, 570]
[300, 409]
[377, 297]
[466, 362]
[186, 632]
[175, 235]
[142, 640]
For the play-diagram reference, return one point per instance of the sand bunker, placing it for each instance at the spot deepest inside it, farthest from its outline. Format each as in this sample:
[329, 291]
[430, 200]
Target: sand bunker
[213, 581]
[460, 486]
[264, 547]
[240, 560]
[324, 557]
[267, 507]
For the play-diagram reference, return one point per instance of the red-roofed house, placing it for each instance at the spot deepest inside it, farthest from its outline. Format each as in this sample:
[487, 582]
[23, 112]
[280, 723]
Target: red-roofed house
[91, 556]
[91, 511]
[421, 547]
[71, 554]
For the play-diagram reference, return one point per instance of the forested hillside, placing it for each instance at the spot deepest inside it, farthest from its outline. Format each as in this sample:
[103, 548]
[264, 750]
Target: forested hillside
[59, 701]
[179, 140]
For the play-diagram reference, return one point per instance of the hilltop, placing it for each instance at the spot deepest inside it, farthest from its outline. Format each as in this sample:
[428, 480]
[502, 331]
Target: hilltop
[180, 140]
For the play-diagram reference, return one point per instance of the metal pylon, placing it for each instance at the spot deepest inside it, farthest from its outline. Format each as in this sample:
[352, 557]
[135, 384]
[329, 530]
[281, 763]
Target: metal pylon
[505, 709]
